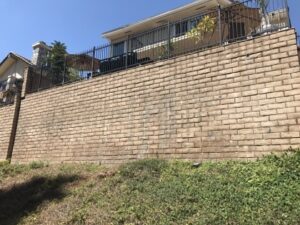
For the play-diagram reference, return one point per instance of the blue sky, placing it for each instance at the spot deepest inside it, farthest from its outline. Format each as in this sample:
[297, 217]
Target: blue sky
[78, 23]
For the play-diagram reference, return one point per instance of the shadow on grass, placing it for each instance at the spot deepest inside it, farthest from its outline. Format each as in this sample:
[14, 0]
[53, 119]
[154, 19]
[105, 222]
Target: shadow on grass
[25, 198]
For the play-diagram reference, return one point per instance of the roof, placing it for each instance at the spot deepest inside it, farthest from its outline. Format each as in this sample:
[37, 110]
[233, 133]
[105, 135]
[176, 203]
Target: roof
[191, 9]
[12, 58]
[16, 56]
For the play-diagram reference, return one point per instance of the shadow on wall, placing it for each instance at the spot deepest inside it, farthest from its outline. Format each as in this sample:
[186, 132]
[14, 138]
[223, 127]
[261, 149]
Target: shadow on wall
[22, 199]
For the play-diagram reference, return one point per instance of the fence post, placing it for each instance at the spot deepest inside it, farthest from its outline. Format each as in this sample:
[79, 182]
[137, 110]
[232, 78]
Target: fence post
[17, 102]
[289, 23]
[169, 39]
[40, 78]
[93, 62]
[220, 24]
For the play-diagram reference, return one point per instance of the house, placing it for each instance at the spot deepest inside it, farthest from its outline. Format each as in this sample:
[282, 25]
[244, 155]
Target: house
[199, 25]
[13, 67]
[173, 33]
[154, 29]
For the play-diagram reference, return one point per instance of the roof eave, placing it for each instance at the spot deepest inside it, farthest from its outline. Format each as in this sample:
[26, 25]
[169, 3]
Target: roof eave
[111, 33]
[15, 57]
[19, 57]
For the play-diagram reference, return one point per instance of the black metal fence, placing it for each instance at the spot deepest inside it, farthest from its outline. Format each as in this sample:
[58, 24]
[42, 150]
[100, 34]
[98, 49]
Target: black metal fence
[218, 26]
[8, 91]
[5, 100]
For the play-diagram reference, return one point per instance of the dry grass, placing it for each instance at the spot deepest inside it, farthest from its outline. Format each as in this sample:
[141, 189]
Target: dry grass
[43, 194]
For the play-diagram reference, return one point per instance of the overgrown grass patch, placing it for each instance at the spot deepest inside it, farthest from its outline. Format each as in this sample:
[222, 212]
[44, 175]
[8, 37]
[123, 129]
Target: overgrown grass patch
[146, 192]
[158, 192]
[8, 170]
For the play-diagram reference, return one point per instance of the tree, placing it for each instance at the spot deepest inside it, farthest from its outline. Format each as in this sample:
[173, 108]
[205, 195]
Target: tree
[57, 64]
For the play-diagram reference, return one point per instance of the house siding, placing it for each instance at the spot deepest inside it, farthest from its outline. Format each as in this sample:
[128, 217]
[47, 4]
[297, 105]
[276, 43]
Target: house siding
[16, 69]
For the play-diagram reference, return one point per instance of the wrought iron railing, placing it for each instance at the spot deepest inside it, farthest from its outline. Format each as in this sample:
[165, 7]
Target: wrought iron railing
[6, 98]
[9, 90]
[3, 104]
[219, 26]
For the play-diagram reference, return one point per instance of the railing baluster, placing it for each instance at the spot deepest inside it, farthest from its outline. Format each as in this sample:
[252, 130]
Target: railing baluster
[169, 39]
[126, 56]
[93, 63]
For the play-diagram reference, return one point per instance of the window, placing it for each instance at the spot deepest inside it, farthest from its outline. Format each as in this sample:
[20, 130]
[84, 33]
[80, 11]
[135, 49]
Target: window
[2, 85]
[236, 30]
[160, 35]
[118, 48]
[136, 43]
[181, 28]
[193, 24]
[150, 38]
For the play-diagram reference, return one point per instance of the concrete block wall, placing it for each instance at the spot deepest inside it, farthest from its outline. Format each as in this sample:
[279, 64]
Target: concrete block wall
[6, 121]
[238, 101]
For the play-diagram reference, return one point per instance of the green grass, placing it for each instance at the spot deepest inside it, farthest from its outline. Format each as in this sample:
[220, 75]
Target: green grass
[266, 191]
[8, 170]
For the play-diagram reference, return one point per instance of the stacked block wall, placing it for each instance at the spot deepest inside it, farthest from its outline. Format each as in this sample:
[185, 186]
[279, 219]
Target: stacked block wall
[6, 121]
[238, 101]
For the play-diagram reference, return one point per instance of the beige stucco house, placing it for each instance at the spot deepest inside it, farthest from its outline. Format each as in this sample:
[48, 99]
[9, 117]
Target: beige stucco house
[169, 33]
[12, 68]
[175, 15]
[13, 65]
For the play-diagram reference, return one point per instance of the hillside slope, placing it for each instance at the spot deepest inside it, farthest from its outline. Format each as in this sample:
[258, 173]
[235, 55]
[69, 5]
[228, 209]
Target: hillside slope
[266, 191]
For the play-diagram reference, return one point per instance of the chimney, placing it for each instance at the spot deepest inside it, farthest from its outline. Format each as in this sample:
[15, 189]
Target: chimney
[40, 53]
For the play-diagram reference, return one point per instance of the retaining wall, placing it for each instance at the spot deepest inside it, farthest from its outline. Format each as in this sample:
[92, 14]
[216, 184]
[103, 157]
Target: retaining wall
[6, 121]
[238, 101]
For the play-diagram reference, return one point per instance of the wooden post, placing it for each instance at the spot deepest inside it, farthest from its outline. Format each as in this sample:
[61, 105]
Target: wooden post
[13, 133]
